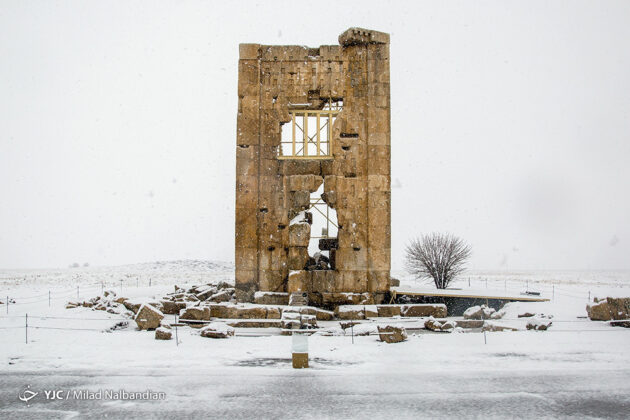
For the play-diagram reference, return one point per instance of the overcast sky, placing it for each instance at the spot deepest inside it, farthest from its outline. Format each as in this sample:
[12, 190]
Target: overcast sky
[510, 126]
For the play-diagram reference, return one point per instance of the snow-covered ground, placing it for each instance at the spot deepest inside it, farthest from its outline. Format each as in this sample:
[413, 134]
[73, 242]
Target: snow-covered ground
[577, 362]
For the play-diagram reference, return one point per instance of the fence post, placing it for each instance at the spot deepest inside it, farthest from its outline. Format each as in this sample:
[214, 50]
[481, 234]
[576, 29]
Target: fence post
[485, 341]
[121, 286]
[26, 328]
[176, 336]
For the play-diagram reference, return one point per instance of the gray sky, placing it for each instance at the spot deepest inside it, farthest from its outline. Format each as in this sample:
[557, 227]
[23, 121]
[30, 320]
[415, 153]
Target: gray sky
[510, 126]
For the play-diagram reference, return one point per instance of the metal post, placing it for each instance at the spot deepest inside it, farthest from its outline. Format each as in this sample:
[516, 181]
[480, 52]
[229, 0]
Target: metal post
[26, 327]
[121, 286]
[101, 288]
[485, 341]
[176, 336]
[49, 298]
[149, 281]
[589, 295]
[7, 304]
[468, 281]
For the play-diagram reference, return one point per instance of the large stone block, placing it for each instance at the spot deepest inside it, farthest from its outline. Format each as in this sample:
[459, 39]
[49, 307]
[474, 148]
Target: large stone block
[299, 234]
[299, 281]
[323, 281]
[436, 310]
[298, 257]
[388, 310]
[303, 182]
[148, 317]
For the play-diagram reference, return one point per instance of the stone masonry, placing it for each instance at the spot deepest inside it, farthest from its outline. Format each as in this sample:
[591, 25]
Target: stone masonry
[273, 227]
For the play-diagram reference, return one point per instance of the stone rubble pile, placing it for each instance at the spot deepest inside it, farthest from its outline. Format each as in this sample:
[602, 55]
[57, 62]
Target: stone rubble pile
[108, 302]
[217, 330]
[442, 326]
[609, 309]
[483, 312]
[175, 301]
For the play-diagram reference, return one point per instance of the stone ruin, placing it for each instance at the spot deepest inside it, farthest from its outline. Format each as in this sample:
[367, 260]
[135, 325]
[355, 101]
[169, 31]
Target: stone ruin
[313, 151]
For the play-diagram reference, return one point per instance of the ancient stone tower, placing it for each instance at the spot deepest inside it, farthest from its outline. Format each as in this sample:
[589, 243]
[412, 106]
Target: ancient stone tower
[313, 170]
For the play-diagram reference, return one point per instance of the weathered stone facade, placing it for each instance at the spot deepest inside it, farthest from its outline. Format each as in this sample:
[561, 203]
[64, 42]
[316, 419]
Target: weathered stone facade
[271, 234]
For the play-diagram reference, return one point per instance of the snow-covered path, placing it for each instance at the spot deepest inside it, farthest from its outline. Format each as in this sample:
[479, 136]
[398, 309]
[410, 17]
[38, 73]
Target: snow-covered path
[280, 393]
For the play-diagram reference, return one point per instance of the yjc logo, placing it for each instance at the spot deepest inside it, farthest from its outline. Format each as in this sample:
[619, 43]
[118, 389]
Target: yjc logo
[26, 394]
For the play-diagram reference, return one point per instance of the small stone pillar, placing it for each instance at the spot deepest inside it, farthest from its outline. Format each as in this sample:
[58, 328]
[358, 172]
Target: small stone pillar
[300, 350]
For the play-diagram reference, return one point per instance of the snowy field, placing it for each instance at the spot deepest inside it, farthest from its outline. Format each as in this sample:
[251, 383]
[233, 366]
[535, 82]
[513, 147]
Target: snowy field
[576, 369]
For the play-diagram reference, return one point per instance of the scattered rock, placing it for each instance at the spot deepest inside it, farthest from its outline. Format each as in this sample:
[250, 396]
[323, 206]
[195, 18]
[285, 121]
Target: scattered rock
[599, 311]
[350, 312]
[195, 313]
[255, 323]
[392, 334]
[538, 324]
[388, 311]
[162, 333]
[71, 305]
[435, 325]
[362, 329]
[217, 330]
[609, 309]
[118, 326]
[394, 282]
[148, 317]
[437, 310]
[526, 315]
[479, 312]
[494, 327]
[222, 296]
[172, 308]
[470, 323]
[449, 326]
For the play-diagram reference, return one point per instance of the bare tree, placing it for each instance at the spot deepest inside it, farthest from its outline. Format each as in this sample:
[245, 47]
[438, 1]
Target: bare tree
[440, 256]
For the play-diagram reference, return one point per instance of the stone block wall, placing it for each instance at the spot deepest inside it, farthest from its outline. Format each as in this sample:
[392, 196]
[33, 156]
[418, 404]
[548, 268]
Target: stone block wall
[271, 250]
